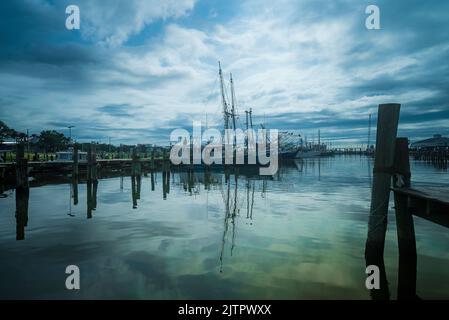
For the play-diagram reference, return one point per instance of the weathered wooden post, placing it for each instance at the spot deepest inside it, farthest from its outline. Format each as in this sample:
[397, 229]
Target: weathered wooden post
[387, 126]
[89, 181]
[404, 223]
[89, 198]
[94, 194]
[21, 167]
[164, 160]
[153, 167]
[94, 166]
[2, 179]
[164, 185]
[136, 166]
[22, 192]
[168, 183]
[75, 170]
[136, 176]
[89, 162]
[133, 191]
[75, 173]
[75, 190]
[402, 174]
[22, 197]
[152, 181]
[121, 178]
[139, 186]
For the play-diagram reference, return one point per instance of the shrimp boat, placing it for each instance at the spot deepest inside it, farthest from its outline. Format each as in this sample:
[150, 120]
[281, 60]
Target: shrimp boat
[289, 145]
[308, 153]
[313, 150]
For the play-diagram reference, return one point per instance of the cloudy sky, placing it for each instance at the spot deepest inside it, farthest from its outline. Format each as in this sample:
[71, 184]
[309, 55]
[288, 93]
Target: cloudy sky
[137, 69]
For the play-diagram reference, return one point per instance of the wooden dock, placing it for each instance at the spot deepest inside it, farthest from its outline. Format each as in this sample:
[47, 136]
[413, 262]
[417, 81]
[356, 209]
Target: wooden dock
[427, 203]
[392, 173]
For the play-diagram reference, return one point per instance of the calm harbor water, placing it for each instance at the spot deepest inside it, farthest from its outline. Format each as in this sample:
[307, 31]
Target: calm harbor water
[298, 235]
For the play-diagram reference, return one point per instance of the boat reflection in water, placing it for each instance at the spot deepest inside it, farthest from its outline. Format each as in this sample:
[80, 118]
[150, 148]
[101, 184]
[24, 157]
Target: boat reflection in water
[210, 234]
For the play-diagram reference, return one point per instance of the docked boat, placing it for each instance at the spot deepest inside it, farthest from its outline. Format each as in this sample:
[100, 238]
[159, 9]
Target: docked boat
[289, 145]
[307, 153]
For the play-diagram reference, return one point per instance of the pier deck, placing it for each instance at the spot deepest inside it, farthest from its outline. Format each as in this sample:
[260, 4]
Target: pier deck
[428, 203]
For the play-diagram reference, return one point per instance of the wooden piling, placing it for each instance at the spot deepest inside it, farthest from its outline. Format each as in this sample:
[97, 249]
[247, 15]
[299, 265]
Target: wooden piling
[152, 181]
[153, 151]
[22, 192]
[94, 194]
[75, 190]
[89, 198]
[164, 185]
[22, 197]
[2, 180]
[133, 191]
[136, 166]
[75, 170]
[89, 162]
[402, 175]
[404, 223]
[387, 126]
[91, 173]
[94, 166]
[21, 167]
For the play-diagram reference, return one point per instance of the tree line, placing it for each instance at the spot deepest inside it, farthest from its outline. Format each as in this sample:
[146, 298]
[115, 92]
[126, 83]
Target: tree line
[51, 141]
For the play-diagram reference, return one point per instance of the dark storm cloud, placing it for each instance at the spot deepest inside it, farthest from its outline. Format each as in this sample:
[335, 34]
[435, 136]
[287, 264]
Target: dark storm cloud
[413, 43]
[117, 110]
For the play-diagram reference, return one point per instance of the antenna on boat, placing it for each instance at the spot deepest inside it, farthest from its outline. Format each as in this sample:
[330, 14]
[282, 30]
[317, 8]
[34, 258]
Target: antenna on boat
[232, 101]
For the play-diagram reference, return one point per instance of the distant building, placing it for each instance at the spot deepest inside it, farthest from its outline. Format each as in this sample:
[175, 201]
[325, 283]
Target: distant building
[437, 142]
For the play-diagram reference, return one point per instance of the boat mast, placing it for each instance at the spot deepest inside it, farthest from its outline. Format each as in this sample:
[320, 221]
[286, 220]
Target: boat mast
[223, 99]
[232, 102]
[233, 109]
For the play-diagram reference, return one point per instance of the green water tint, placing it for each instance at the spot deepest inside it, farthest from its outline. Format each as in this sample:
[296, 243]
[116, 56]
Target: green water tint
[207, 235]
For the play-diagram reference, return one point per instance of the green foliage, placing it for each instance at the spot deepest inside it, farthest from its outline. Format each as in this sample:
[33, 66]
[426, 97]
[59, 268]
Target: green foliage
[6, 132]
[52, 141]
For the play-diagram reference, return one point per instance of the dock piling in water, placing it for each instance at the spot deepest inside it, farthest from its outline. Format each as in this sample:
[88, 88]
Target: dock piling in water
[387, 126]
[21, 167]
[75, 173]
[92, 180]
[75, 161]
[22, 192]
[404, 224]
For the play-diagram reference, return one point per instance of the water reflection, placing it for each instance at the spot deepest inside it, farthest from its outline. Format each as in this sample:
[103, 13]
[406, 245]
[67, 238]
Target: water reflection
[298, 234]
[92, 187]
[136, 183]
[165, 184]
[22, 197]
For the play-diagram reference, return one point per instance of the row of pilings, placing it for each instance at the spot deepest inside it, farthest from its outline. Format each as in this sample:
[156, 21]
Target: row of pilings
[438, 157]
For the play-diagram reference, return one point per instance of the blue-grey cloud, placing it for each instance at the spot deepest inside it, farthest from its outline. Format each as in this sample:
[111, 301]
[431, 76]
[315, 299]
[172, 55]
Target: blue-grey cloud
[301, 65]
